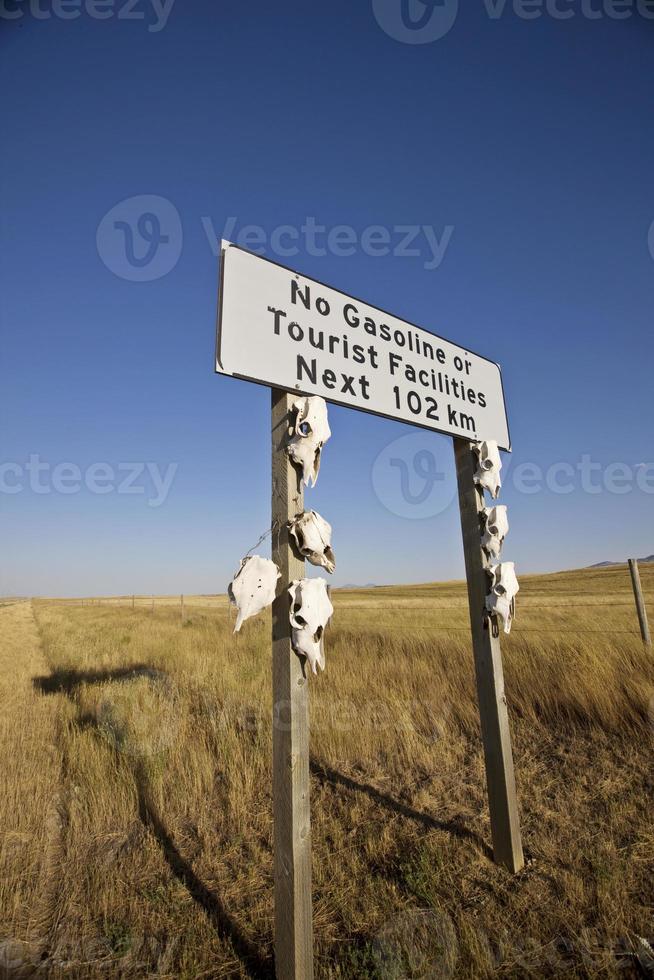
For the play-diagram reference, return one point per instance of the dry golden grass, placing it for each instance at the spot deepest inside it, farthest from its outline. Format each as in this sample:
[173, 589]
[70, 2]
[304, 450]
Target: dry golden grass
[136, 812]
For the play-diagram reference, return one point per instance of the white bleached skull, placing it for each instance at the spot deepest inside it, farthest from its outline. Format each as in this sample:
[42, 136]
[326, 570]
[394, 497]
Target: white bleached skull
[311, 610]
[489, 465]
[504, 586]
[309, 433]
[496, 528]
[253, 587]
[313, 536]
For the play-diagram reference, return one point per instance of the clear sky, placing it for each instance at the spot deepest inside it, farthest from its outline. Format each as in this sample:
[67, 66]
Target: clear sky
[517, 148]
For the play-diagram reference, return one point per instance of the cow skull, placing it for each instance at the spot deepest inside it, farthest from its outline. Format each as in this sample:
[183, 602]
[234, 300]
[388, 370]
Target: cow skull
[253, 587]
[313, 535]
[496, 527]
[501, 599]
[309, 432]
[489, 465]
[311, 610]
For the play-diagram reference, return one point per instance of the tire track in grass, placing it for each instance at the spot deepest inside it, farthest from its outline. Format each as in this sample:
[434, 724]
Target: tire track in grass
[34, 802]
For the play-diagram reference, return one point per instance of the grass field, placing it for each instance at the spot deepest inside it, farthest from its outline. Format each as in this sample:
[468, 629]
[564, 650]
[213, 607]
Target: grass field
[135, 821]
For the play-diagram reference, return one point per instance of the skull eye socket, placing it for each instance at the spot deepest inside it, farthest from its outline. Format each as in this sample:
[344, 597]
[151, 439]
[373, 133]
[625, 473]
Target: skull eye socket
[493, 529]
[304, 429]
[298, 619]
[486, 464]
[317, 635]
[500, 590]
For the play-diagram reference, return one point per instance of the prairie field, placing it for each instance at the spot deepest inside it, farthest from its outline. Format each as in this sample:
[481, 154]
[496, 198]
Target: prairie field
[135, 817]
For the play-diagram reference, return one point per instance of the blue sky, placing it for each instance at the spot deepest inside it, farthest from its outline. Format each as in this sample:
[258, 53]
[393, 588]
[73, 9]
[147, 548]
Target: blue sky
[524, 146]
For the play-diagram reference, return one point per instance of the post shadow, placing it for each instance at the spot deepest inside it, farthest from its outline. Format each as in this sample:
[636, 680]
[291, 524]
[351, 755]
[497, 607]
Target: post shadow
[326, 774]
[225, 926]
[67, 682]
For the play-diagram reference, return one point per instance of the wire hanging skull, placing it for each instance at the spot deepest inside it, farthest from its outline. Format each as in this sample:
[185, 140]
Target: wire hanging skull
[489, 464]
[313, 535]
[500, 601]
[253, 587]
[311, 610]
[309, 433]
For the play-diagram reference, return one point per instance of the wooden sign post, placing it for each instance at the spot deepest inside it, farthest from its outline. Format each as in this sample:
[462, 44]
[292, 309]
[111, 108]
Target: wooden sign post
[291, 811]
[372, 361]
[640, 602]
[500, 780]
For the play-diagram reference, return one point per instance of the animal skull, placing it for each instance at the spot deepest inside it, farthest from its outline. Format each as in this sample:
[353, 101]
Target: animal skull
[496, 527]
[501, 599]
[253, 587]
[311, 610]
[488, 467]
[313, 537]
[309, 433]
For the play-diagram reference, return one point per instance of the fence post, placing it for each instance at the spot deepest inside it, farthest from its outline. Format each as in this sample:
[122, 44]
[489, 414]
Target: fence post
[496, 737]
[640, 602]
[291, 810]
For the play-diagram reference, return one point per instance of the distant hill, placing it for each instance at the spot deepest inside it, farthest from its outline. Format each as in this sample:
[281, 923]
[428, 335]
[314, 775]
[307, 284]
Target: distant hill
[606, 564]
[370, 585]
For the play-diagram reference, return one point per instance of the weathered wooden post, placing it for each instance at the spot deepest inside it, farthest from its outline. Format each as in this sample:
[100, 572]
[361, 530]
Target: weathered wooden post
[291, 810]
[500, 779]
[640, 602]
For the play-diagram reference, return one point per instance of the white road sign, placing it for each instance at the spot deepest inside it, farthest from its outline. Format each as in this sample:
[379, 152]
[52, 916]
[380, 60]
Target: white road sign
[282, 329]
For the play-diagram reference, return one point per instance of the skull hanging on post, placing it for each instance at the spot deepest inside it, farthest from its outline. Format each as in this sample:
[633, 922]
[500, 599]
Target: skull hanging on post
[496, 528]
[253, 587]
[309, 432]
[313, 535]
[311, 610]
[489, 465]
[500, 601]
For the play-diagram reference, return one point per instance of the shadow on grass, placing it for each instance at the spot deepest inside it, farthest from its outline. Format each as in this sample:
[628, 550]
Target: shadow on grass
[67, 682]
[327, 775]
[226, 928]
